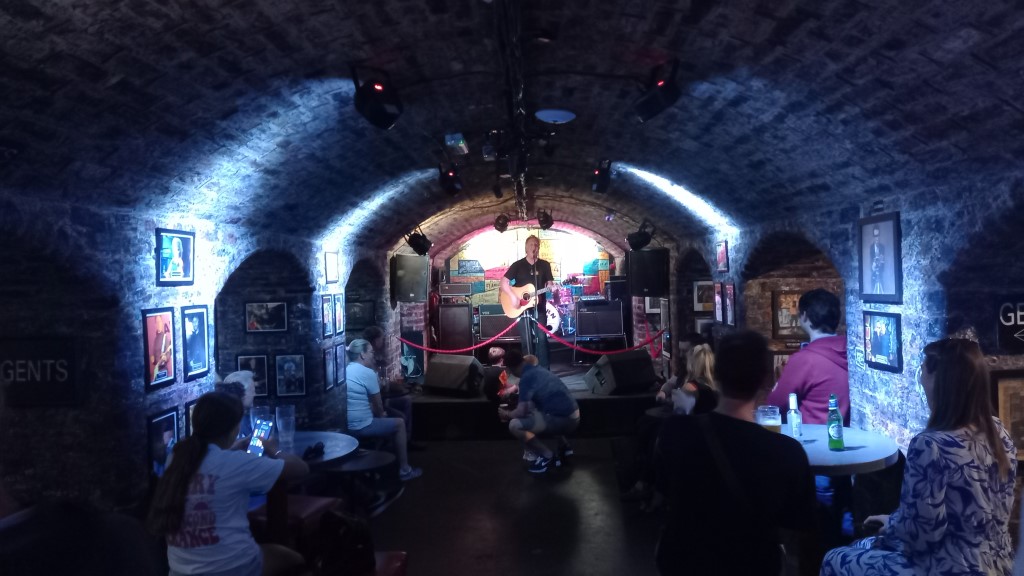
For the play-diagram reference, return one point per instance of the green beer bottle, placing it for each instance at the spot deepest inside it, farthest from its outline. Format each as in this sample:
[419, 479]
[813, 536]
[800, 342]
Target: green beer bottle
[835, 425]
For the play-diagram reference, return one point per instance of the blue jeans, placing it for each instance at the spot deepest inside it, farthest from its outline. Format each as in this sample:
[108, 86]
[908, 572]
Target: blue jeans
[533, 339]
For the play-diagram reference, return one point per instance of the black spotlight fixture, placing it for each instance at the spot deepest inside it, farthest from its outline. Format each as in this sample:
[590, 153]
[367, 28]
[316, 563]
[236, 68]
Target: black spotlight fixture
[544, 219]
[501, 222]
[449, 179]
[376, 98]
[419, 242]
[496, 190]
[641, 238]
[602, 176]
[661, 93]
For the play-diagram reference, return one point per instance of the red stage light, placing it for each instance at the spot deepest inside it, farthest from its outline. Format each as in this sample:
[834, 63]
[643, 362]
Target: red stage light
[380, 87]
[661, 82]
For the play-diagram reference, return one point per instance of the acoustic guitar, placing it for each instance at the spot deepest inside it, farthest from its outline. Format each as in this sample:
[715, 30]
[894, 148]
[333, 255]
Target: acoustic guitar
[526, 298]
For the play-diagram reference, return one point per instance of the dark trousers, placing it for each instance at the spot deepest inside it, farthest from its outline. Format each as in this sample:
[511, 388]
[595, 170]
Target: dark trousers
[533, 339]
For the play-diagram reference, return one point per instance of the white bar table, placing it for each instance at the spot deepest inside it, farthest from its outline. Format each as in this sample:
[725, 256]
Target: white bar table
[865, 451]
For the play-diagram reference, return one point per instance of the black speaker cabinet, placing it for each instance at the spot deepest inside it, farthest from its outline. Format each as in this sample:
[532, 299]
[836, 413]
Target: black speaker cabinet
[626, 373]
[453, 375]
[599, 319]
[616, 288]
[455, 329]
[647, 271]
[492, 324]
[409, 278]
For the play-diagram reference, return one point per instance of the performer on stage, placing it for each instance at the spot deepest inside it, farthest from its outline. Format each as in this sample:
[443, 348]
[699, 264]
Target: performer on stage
[531, 270]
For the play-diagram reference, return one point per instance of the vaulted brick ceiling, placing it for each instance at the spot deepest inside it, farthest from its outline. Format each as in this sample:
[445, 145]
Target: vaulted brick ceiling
[241, 110]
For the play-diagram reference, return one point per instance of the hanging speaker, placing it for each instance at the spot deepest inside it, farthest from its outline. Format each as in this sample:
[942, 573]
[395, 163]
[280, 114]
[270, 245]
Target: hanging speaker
[409, 278]
[648, 272]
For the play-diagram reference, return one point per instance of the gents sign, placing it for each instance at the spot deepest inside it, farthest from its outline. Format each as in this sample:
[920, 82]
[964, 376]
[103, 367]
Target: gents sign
[1011, 324]
[41, 372]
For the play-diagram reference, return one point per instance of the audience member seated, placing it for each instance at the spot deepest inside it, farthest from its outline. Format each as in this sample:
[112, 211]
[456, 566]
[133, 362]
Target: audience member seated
[733, 485]
[201, 502]
[957, 490]
[396, 396]
[545, 407]
[243, 385]
[69, 538]
[366, 415]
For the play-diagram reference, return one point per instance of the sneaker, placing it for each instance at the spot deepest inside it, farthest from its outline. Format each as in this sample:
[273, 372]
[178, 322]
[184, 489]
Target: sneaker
[529, 456]
[410, 474]
[541, 464]
[567, 451]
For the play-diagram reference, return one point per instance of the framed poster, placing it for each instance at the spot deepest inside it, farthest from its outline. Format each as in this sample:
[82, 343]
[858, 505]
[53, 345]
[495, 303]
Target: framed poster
[730, 304]
[701, 324]
[339, 313]
[703, 296]
[1007, 391]
[722, 256]
[331, 267]
[719, 312]
[340, 360]
[189, 407]
[881, 263]
[258, 366]
[883, 342]
[327, 314]
[359, 315]
[412, 357]
[158, 347]
[779, 361]
[161, 435]
[652, 305]
[196, 343]
[175, 257]
[786, 316]
[291, 374]
[266, 317]
[329, 378]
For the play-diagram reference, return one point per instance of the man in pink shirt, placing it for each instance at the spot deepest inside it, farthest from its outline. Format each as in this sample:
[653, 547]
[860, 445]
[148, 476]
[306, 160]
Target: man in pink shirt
[820, 368]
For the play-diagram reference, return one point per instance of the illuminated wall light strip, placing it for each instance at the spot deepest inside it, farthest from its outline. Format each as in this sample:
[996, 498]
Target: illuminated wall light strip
[699, 207]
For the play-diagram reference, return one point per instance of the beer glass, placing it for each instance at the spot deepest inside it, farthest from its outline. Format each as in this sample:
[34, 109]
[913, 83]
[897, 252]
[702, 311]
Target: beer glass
[769, 417]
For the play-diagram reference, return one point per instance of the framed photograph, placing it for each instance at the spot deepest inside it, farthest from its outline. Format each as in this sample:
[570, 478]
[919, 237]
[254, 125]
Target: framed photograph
[359, 315]
[412, 357]
[331, 267]
[719, 312]
[881, 263]
[652, 305]
[329, 378]
[883, 342]
[722, 256]
[266, 317]
[730, 304]
[340, 361]
[291, 375]
[703, 296]
[189, 407]
[779, 361]
[158, 347]
[1008, 400]
[196, 342]
[258, 366]
[327, 313]
[162, 434]
[175, 257]
[701, 324]
[786, 316]
[339, 313]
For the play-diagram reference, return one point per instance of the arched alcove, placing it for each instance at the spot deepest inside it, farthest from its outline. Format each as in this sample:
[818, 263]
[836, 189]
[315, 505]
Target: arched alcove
[693, 275]
[785, 262]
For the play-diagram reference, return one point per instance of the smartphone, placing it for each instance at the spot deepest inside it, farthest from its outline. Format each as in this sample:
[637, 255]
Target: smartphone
[259, 434]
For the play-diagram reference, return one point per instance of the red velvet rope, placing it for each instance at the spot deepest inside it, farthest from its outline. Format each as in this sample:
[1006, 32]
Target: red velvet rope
[484, 343]
[600, 352]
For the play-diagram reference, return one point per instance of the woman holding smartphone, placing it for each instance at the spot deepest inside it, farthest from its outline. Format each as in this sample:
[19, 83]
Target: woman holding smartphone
[201, 502]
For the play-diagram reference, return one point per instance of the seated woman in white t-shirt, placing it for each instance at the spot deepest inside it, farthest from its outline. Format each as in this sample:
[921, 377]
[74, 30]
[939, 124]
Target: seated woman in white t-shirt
[366, 415]
[201, 502]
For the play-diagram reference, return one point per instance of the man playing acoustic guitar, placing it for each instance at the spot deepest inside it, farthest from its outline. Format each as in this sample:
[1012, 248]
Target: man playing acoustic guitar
[533, 271]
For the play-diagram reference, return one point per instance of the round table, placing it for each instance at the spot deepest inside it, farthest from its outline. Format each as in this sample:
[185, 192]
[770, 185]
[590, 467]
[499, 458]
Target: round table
[865, 451]
[336, 446]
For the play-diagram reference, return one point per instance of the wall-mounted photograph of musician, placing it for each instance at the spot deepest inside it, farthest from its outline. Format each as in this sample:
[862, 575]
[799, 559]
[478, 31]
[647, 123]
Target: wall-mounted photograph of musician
[158, 341]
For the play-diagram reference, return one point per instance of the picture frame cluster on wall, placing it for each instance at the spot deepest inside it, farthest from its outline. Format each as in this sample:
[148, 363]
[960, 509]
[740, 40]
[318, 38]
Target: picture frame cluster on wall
[332, 314]
[289, 373]
[159, 328]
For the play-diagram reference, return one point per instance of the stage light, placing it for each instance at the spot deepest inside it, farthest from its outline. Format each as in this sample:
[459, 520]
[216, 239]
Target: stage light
[602, 176]
[544, 219]
[496, 190]
[662, 92]
[609, 215]
[449, 179]
[376, 98]
[419, 242]
[501, 222]
[641, 238]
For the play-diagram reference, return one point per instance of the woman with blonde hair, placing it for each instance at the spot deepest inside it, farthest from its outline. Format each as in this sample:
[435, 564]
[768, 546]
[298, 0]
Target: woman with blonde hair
[697, 394]
[957, 490]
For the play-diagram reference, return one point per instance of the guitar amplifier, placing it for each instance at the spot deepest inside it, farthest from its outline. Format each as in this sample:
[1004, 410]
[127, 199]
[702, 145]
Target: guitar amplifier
[491, 310]
[492, 324]
[599, 319]
[456, 289]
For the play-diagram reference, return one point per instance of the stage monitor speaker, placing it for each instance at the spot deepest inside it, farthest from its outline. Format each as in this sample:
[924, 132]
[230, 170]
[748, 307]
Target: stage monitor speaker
[454, 375]
[492, 324]
[626, 373]
[604, 319]
[409, 278]
[455, 326]
[647, 271]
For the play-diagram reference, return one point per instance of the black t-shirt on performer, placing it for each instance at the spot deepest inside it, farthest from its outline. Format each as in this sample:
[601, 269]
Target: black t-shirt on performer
[709, 529]
[522, 272]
